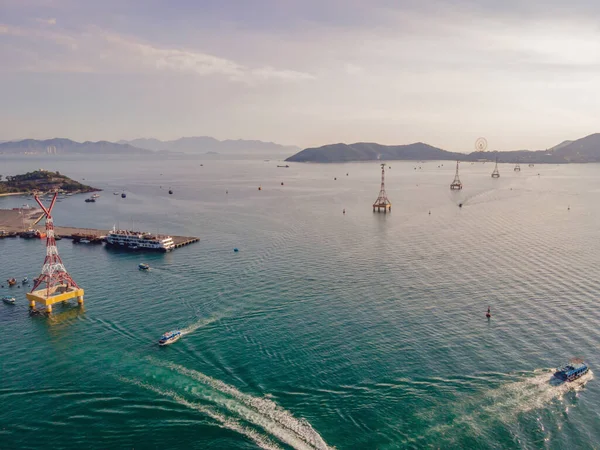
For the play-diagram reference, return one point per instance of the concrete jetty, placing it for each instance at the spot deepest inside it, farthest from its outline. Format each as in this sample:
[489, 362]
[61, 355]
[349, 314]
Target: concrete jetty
[16, 220]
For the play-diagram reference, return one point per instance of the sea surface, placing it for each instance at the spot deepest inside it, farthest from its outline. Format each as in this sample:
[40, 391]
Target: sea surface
[326, 330]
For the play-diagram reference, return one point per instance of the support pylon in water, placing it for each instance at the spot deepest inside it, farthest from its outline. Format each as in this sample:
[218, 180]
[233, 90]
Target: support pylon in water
[58, 286]
[456, 184]
[495, 173]
[382, 201]
[517, 167]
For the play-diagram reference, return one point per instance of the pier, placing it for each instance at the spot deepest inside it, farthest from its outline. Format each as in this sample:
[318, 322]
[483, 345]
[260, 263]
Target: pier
[12, 220]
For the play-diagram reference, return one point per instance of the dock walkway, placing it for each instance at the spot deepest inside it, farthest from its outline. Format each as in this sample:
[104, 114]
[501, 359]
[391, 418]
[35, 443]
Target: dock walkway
[11, 220]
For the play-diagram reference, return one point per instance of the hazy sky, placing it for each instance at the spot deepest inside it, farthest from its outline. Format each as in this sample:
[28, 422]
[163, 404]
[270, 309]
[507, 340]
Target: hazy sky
[524, 74]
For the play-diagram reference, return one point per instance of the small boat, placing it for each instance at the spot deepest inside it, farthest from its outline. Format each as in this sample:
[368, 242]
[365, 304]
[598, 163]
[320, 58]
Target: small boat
[123, 195]
[11, 281]
[286, 166]
[84, 241]
[8, 300]
[115, 193]
[574, 369]
[169, 337]
[25, 280]
[90, 200]
[143, 266]
[95, 195]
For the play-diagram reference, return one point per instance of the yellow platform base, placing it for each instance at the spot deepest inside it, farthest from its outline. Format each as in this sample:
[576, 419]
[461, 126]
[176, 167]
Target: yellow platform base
[57, 294]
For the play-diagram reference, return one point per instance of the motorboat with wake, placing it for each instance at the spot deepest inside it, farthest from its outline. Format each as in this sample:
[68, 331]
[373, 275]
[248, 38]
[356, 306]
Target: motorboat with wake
[169, 337]
[8, 300]
[574, 369]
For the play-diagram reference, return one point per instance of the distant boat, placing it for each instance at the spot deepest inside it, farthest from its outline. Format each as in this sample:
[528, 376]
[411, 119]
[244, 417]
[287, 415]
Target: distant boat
[95, 195]
[286, 166]
[25, 280]
[84, 241]
[90, 200]
[169, 337]
[115, 193]
[8, 300]
[11, 281]
[143, 266]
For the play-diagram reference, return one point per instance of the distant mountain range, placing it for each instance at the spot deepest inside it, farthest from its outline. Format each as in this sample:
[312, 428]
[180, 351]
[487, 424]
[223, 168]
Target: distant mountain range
[584, 150]
[67, 146]
[206, 144]
[193, 145]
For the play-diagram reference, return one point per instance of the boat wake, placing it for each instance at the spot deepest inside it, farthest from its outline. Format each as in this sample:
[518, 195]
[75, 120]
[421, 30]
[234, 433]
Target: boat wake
[533, 393]
[223, 421]
[199, 324]
[234, 409]
[503, 404]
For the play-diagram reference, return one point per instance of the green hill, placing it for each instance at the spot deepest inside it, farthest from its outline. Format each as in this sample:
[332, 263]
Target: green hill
[41, 180]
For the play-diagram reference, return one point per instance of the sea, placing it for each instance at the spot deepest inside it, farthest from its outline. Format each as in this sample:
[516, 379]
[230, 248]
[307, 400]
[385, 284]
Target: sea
[355, 330]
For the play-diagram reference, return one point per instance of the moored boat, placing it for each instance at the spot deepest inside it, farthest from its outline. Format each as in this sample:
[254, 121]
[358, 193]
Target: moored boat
[8, 300]
[574, 369]
[139, 240]
[169, 337]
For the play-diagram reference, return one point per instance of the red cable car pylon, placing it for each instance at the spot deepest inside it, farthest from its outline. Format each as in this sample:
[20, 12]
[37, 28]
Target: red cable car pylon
[59, 285]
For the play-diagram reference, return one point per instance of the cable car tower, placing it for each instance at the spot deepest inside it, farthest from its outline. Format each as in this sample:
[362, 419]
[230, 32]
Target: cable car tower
[517, 167]
[456, 184]
[495, 173]
[382, 201]
[58, 286]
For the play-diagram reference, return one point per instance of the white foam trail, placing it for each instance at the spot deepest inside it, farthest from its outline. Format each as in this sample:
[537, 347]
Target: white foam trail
[225, 422]
[202, 322]
[533, 393]
[263, 412]
[504, 403]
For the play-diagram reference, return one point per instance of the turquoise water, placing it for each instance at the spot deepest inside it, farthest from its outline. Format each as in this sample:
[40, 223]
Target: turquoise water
[355, 331]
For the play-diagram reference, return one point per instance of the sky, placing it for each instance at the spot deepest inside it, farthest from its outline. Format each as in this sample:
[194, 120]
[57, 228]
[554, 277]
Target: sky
[522, 74]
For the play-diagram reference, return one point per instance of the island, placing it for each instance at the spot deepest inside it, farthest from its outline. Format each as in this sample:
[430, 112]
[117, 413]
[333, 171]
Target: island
[41, 181]
[584, 150]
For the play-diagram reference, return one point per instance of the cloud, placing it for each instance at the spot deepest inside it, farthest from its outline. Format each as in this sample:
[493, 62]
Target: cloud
[50, 21]
[99, 50]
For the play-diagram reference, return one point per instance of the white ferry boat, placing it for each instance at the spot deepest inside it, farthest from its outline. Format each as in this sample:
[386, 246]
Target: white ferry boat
[138, 240]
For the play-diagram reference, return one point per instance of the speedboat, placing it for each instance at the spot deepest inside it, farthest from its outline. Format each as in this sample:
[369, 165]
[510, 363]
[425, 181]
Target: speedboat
[11, 281]
[574, 369]
[90, 200]
[169, 337]
[8, 300]
[143, 266]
